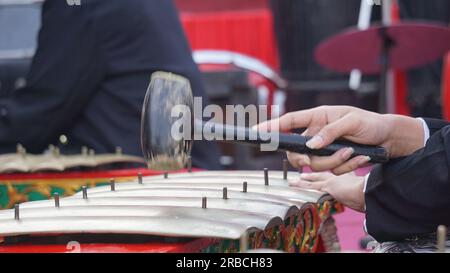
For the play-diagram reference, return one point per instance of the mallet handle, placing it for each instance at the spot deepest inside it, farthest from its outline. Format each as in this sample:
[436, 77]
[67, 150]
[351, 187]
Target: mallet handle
[291, 142]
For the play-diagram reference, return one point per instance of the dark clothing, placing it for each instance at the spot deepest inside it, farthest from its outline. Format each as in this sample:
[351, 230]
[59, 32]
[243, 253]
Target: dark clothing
[90, 73]
[423, 244]
[410, 196]
[424, 83]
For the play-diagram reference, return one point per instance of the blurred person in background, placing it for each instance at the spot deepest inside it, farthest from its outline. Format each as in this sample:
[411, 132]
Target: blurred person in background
[90, 73]
[424, 84]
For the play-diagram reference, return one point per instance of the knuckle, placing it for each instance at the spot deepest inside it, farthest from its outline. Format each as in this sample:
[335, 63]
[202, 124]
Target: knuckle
[318, 167]
[328, 132]
[346, 168]
[288, 119]
[293, 163]
[320, 164]
[321, 108]
[337, 171]
[290, 155]
[352, 165]
[287, 116]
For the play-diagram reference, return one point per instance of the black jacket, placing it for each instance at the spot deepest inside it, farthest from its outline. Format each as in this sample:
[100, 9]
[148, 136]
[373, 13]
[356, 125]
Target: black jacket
[411, 196]
[90, 73]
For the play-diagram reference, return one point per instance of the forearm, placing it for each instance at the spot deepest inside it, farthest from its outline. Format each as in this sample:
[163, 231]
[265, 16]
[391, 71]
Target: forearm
[406, 135]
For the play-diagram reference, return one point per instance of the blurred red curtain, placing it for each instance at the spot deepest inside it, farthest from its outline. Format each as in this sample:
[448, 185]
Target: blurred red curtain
[241, 26]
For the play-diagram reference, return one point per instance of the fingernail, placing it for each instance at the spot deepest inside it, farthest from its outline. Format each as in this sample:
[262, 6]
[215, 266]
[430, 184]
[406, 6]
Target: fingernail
[347, 153]
[364, 160]
[315, 142]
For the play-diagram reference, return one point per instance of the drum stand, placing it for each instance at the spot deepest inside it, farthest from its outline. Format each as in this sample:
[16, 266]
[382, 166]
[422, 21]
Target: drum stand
[386, 99]
[386, 92]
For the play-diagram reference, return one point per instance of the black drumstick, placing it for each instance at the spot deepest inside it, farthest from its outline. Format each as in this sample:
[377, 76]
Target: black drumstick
[288, 141]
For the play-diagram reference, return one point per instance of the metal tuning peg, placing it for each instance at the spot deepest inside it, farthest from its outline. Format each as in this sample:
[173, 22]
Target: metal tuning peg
[51, 148]
[21, 150]
[112, 182]
[266, 176]
[441, 238]
[189, 164]
[16, 212]
[140, 180]
[84, 189]
[225, 193]
[56, 198]
[285, 169]
[56, 152]
[84, 151]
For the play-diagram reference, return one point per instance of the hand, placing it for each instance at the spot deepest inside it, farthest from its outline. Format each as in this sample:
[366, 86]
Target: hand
[400, 135]
[346, 189]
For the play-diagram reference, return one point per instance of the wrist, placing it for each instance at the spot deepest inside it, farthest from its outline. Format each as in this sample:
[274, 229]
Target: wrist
[405, 135]
[361, 195]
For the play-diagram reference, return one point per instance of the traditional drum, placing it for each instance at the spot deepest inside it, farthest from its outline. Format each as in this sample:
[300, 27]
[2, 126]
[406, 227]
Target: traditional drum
[227, 211]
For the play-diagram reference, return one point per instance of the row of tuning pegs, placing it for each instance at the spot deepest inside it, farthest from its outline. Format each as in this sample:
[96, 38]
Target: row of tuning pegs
[84, 189]
[52, 149]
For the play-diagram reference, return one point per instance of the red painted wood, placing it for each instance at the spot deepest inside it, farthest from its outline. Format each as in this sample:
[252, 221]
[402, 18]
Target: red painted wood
[195, 245]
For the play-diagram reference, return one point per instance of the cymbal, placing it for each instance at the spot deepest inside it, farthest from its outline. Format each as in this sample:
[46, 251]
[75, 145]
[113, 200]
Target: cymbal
[410, 45]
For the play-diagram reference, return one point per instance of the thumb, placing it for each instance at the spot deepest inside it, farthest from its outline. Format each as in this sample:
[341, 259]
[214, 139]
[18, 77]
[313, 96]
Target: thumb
[342, 127]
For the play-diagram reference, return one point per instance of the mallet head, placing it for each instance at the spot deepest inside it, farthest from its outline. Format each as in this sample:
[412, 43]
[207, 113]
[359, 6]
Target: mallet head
[168, 103]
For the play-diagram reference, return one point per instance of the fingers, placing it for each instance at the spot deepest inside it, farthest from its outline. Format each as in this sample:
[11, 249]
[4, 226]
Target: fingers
[308, 185]
[332, 131]
[315, 120]
[315, 181]
[325, 163]
[316, 177]
[351, 165]
[339, 163]
[298, 160]
[292, 120]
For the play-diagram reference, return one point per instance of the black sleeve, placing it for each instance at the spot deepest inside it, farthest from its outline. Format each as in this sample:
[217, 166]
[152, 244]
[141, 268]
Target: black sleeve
[64, 72]
[435, 125]
[410, 196]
